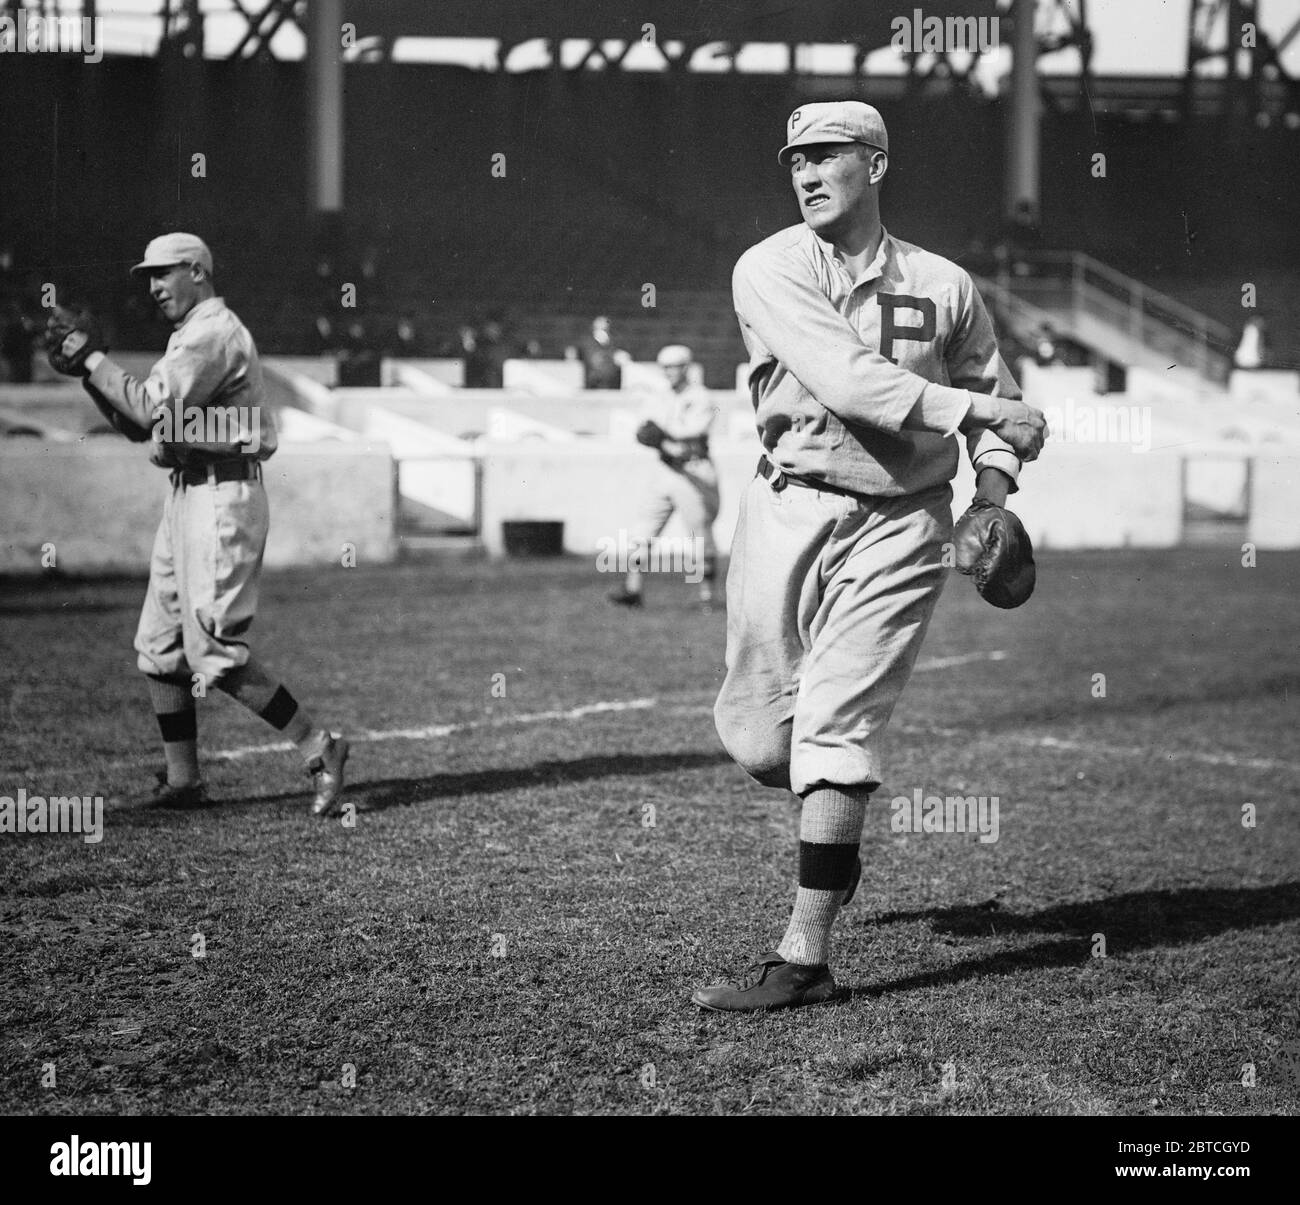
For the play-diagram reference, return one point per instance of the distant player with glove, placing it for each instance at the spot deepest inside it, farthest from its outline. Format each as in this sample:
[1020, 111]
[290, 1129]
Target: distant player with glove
[207, 554]
[867, 356]
[676, 425]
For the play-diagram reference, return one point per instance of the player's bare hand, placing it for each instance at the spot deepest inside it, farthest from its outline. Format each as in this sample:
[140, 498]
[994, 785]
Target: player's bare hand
[1023, 427]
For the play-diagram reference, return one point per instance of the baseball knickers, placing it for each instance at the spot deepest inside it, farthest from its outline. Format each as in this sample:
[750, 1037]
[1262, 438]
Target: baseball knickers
[829, 599]
[203, 580]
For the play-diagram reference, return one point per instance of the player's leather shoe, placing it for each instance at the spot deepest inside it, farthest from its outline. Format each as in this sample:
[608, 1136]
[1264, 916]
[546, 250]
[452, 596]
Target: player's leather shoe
[770, 983]
[623, 597]
[326, 770]
[853, 882]
[190, 795]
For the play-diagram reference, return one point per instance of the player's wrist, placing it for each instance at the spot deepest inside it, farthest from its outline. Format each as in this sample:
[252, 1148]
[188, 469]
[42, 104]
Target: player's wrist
[983, 412]
[992, 485]
[93, 361]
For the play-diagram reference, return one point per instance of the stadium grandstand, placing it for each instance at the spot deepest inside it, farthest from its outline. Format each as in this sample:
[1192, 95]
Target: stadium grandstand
[537, 165]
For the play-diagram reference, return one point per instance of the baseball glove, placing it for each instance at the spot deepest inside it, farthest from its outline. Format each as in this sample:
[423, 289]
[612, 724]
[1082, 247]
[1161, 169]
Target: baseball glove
[651, 434]
[71, 334]
[992, 545]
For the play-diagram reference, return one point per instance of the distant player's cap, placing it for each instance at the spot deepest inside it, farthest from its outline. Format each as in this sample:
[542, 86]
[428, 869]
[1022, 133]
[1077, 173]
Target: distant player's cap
[833, 121]
[168, 250]
[674, 355]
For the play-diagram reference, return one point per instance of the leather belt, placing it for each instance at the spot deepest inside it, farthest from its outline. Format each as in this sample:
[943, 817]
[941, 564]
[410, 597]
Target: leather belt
[779, 479]
[218, 471]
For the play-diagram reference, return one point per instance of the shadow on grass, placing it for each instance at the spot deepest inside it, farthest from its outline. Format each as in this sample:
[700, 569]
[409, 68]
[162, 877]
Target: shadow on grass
[73, 606]
[1137, 920]
[382, 794]
[402, 792]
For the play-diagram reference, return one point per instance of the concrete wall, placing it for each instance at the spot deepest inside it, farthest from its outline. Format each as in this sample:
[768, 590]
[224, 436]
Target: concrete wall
[1083, 497]
[99, 504]
[1275, 499]
[1079, 498]
[594, 490]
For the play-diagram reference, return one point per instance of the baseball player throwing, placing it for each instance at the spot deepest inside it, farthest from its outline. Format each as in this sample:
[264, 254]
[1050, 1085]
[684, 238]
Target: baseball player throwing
[677, 425]
[867, 356]
[203, 412]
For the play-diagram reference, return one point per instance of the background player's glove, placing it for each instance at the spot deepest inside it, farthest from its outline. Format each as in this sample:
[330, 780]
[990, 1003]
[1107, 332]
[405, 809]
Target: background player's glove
[651, 434]
[71, 334]
[992, 545]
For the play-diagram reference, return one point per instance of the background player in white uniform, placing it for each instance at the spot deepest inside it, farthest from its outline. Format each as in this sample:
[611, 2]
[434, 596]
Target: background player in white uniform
[686, 481]
[867, 355]
[207, 554]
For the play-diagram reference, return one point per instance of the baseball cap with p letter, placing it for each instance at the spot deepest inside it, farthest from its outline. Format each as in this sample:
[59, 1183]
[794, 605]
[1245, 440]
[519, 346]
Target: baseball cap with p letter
[833, 121]
[167, 250]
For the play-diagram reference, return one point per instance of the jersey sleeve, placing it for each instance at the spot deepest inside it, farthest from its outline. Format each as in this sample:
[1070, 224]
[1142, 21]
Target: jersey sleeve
[191, 375]
[697, 416]
[974, 362]
[115, 418]
[781, 308]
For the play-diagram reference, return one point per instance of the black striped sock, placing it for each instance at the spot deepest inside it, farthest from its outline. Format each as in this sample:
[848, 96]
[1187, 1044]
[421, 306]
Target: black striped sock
[178, 722]
[253, 687]
[826, 867]
[830, 828]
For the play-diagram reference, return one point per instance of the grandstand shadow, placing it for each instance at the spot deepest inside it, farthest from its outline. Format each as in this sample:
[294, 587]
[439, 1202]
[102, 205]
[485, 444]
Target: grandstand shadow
[1136, 920]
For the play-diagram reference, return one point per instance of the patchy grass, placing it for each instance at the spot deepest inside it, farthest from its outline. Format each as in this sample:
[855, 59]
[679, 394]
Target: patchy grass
[501, 932]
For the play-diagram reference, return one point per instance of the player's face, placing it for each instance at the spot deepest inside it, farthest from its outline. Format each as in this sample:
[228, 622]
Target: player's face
[676, 374]
[174, 291]
[831, 180]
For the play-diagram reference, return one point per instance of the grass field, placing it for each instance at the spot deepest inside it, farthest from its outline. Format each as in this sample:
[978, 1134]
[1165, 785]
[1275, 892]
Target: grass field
[501, 930]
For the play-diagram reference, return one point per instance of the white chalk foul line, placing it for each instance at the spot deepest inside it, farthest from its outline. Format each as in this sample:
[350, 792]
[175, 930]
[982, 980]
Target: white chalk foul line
[434, 731]
[928, 663]
[571, 714]
[1206, 759]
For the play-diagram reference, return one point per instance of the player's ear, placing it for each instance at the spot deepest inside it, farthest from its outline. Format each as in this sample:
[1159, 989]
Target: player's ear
[879, 164]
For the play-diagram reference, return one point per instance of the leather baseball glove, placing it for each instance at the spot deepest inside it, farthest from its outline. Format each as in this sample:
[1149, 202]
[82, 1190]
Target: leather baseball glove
[651, 434]
[992, 546]
[71, 334]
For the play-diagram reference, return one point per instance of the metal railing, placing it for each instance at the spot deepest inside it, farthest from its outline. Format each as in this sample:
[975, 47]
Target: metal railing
[1075, 281]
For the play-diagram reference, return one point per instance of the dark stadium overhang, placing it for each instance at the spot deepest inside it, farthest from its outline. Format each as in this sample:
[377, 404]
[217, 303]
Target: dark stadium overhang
[790, 21]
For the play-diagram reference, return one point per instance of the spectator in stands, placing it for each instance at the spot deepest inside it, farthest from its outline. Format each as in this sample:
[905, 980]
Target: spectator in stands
[322, 335]
[18, 335]
[602, 362]
[486, 352]
[406, 339]
[978, 257]
[1024, 237]
[1250, 353]
[1046, 351]
[359, 362]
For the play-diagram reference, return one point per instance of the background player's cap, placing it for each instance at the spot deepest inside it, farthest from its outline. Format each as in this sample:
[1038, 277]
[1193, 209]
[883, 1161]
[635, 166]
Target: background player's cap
[833, 121]
[169, 249]
[674, 353]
